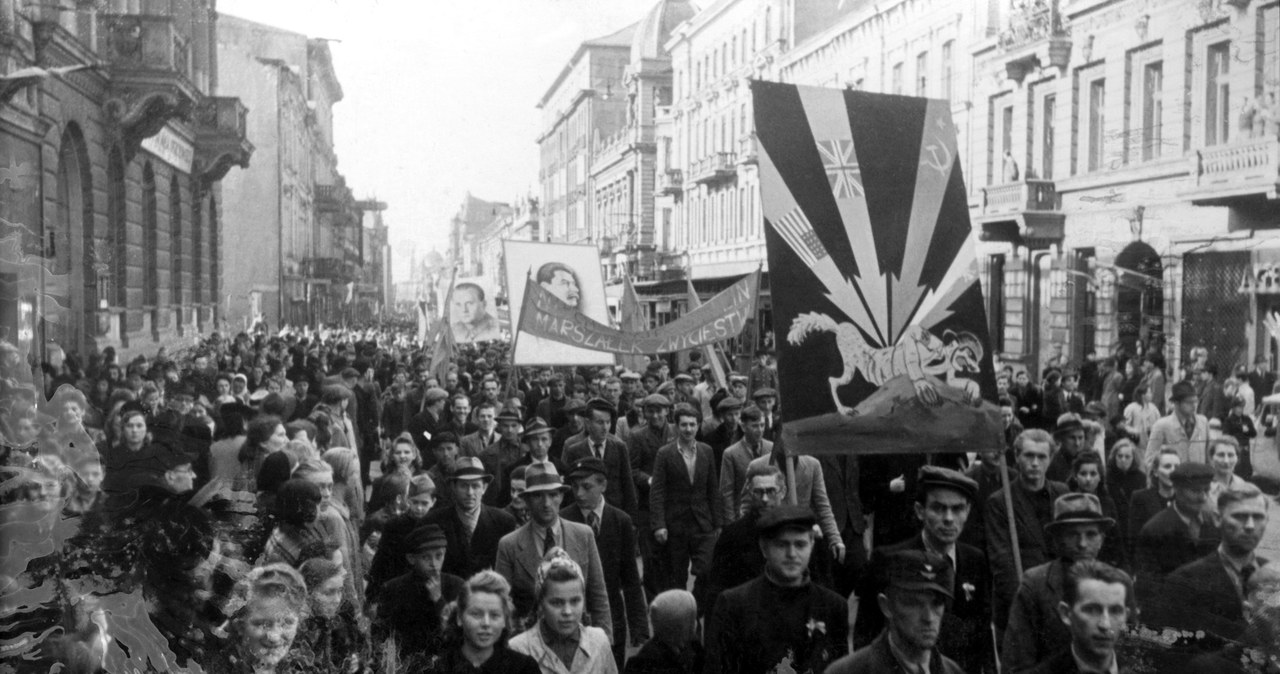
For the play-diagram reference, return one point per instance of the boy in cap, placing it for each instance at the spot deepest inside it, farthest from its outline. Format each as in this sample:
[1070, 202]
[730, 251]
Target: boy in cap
[602, 444]
[517, 508]
[1069, 436]
[780, 621]
[944, 501]
[616, 542]
[412, 602]
[918, 590]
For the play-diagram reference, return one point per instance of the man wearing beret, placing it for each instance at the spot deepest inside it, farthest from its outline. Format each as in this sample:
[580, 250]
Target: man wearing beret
[1036, 631]
[412, 602]
[919, 587]
[1177, 535]
[781, 620]
[616, 542]
[944, 500]
[1183, 429]
[605, 446]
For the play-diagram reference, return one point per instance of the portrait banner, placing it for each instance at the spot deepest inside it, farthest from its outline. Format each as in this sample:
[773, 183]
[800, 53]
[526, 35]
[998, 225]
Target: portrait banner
[572, 273]
[471, 314]
[879, 316]
[722, 317]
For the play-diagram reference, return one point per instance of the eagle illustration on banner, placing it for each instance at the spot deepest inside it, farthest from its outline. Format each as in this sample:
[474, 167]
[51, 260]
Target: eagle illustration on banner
[874, 274]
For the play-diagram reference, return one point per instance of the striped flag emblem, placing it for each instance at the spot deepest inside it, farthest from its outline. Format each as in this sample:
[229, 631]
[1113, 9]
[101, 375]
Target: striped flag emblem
[799, 234]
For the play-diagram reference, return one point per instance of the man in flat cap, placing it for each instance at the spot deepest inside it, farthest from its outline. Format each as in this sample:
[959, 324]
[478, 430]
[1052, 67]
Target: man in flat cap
[389, 561]
[733, 466]
[1183, 429]
[656, 432]
[684, 390]
[574, 426]
[616, 542]
[1177, 535]
[781, 620]
[724, 430]
[603, 445]
[767, 400]
[522, 551]
[1068, 436]
[1078, 529]
[472, 528]
[944, 500]
[412, 602]
[919, 588]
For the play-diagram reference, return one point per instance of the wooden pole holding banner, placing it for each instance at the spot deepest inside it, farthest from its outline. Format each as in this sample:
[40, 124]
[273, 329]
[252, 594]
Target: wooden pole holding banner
[1013, 524]
[514, 377]
[694, 302]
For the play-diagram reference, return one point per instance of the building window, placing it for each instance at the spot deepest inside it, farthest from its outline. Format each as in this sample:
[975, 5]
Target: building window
[1152, 109]
[896, 79]
[1006, 144]
[922, 74]
[1097, 122]
[947, 69]
[1217, 99]
[1047, 136]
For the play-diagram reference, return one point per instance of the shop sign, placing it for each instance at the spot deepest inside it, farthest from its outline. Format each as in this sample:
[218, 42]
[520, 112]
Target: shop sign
[1262, 279]
[171, 149]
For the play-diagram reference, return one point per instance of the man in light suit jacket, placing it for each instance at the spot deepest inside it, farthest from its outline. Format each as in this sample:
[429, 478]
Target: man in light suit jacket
[686, 511]
[733, 466]
[811, 492]
[522, 551]
[616, 541]
[473, 529]
[606, 446]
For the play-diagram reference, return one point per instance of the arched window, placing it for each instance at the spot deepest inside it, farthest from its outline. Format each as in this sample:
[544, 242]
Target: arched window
[117, 230]
[150, 239]
[175, 245]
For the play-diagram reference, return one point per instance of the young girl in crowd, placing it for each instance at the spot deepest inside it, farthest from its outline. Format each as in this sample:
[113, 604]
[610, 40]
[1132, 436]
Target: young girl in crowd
[559, 642]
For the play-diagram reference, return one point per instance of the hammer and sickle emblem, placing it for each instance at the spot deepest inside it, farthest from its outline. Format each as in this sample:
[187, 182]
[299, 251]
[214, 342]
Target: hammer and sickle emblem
[935, 162]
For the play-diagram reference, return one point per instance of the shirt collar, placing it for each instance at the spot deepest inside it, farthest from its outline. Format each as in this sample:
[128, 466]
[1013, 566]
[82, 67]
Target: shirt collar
[599, 511]
[551, 638]
[907, 665]
[1112, 667]
[1231, 564]
[949, 551]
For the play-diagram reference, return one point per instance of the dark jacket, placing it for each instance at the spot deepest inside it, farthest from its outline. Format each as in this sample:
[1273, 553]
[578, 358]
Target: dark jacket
[1029, 520]
[656, 657]
[878, 659]
[465, 557]
[678, 504]
[389, 561]
[621, 489]
[644, 444]
[1061, 662]
[616, 542]
[1165, 544]
[966, 626]
[1035, 632]
[1202, 596]
[407, 612]
[758, 626]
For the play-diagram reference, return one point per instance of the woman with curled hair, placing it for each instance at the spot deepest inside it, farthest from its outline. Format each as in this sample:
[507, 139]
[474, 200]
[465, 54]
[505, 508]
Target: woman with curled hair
[404, 460]
[266, 435]
[263, 631]
[332, 630]
[477, 627]
[559, 642]
[1124, 479]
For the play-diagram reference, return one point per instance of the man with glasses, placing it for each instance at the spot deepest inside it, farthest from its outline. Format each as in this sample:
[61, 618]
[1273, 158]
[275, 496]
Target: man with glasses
[737, 557]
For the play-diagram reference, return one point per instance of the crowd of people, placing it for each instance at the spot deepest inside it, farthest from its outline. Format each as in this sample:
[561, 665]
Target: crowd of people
[337, 502]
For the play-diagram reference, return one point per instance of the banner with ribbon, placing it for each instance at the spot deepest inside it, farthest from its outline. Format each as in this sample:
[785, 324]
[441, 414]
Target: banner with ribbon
[722, 317]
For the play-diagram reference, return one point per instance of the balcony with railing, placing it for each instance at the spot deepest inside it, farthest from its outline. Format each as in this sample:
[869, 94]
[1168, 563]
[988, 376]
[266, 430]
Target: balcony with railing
[221, 137]
[1025, 212]
[671, 181]
[1231, 173]
[333, 269]
[150, 65]
[333, 198]
[1035, 37]
[715, 168]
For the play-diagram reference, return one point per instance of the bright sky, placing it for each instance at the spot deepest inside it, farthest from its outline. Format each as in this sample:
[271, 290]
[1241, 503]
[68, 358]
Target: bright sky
[439, 96]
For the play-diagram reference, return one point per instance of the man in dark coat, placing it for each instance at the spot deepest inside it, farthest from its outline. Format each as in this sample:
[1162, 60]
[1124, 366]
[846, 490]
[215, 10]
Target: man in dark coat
[1033, 497]
[605, 446]
[780, 621]
[843, 477]
[723, 431]
[1177, 535]
[551, 407]
[643, 445]
[389, 561]
[412, 602]
[1095, 608]
[616, 541]
[425, 424]
[685, 505]
[1035, 627]
[1208, 593]
[919, 585]
[944, 498]
[471, 528]
[674, 648]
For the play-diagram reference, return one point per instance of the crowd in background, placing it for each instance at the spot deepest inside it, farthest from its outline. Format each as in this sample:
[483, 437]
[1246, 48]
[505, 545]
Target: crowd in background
[335, 501]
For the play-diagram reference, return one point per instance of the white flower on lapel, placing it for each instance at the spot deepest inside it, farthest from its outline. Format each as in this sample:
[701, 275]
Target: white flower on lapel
[813, 625]
[968, 591]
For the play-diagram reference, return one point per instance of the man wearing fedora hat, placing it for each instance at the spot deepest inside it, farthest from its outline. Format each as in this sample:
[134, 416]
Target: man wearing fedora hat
[1035, 630]
[524, 549]
[616, 542]
[1183, 429]
[537, 447]
[472, 528]
[603, 445]
[943, 502]
[412, 602]
[1069, 436]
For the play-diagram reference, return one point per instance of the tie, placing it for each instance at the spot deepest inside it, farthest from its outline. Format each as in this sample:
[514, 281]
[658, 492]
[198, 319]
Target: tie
[470, 526]
[548, 542]
[1246, 572]
[598, 451]
[1189, 427]
[595, 525]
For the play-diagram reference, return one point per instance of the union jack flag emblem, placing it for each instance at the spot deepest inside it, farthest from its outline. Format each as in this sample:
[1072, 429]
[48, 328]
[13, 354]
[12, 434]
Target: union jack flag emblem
[842, 168]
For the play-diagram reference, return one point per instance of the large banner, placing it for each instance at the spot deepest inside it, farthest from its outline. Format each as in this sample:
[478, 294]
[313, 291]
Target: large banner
[722, 317]
[571, 273]
[881, 326]
[471, 311]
